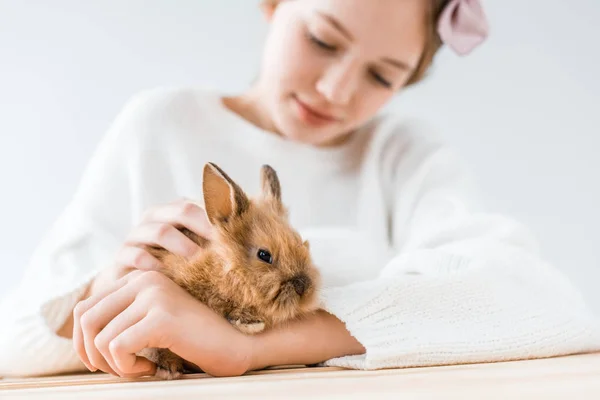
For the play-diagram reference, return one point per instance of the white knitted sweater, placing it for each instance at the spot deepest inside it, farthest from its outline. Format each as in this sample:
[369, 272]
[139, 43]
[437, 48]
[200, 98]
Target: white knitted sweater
[419, 273]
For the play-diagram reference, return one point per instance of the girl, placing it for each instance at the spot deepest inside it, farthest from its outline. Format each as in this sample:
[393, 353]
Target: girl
[415, 272]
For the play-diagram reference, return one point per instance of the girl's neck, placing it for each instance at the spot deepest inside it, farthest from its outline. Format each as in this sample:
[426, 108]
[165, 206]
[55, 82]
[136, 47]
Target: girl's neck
[249, 106]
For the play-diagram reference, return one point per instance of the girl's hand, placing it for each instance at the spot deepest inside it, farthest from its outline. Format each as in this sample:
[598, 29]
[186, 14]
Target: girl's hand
[158, 227]
[146, 309]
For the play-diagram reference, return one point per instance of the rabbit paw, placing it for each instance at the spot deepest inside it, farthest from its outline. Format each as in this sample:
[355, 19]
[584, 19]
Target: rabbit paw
[249, 328]
[169, 366]
[167, 373]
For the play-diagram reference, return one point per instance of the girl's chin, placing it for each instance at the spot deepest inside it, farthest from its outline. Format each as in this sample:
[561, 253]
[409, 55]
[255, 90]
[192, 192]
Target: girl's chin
[297, 131]
[305, 136]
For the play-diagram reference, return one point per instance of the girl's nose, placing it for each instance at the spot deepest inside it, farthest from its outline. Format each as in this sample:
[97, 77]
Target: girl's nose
[339, 82]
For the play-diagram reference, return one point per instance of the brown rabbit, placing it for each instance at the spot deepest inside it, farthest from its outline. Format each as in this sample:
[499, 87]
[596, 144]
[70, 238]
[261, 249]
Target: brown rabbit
[256, 271]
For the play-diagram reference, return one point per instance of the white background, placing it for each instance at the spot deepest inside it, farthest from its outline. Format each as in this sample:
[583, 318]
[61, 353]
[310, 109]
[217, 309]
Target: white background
[523, 109]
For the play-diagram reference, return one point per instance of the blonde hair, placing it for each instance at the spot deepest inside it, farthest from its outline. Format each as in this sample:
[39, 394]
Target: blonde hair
[433, 42]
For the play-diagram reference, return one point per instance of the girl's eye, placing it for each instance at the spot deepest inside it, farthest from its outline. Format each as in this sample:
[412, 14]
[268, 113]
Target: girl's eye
[380, 80]
[321, 44]
[265, 256]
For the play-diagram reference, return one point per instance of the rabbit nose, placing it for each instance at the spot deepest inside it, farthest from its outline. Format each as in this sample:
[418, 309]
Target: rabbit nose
[300, 283]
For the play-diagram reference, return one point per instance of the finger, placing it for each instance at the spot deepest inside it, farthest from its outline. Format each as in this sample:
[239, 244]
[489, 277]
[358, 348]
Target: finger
[164, 235]
[124, 347]
[185, 213]
[78, 335]
[139, 258]
[101, 309]
[131, 316]
[79, 310]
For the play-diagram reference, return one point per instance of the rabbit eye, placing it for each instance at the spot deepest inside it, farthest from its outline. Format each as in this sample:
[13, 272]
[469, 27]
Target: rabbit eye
[265, 256]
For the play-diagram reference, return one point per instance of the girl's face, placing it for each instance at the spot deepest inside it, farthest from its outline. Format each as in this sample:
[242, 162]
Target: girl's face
[330, 65]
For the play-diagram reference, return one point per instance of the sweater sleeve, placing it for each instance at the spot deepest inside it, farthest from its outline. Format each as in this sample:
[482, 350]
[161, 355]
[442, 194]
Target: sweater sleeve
[82, 241]
[461, 286]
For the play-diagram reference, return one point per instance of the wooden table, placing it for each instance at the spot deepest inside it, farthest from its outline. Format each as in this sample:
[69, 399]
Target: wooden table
[572, 377]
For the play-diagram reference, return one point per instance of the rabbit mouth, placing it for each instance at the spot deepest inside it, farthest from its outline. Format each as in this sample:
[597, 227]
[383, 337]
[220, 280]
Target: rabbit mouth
[278, 294]
[285, 294]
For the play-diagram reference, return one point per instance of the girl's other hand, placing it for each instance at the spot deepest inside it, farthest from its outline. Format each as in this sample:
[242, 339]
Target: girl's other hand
[157, 228]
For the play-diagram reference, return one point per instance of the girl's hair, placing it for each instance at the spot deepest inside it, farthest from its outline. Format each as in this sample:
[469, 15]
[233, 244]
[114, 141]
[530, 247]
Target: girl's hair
[433, 42]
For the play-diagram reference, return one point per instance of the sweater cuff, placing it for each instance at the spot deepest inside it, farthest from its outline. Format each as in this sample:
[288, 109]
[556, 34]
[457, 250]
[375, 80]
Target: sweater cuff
[34, 350]
[439, 309]
[56, 310]
[369, 309]
[29, 343]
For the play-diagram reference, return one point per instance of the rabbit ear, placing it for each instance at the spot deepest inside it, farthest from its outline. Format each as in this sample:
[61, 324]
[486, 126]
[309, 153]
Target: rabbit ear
[223, 198]
[270, 186]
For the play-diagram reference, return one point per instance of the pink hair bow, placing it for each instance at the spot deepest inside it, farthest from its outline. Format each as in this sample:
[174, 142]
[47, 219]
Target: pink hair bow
[463, 25]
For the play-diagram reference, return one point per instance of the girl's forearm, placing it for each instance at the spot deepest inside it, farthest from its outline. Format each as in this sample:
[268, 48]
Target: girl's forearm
[311, 340]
